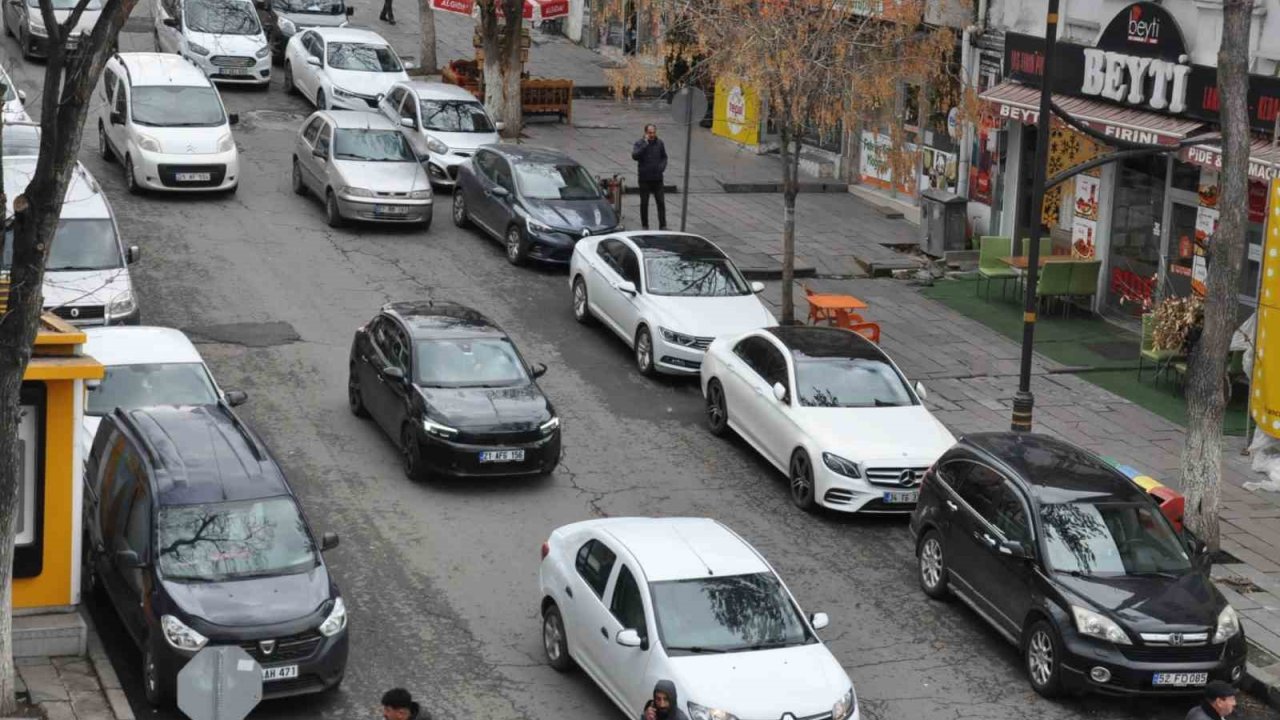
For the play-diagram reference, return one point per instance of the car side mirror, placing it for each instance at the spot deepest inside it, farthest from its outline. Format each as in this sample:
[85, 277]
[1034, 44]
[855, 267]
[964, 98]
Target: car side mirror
[499, 192]
[626, 287]
[128, 559]
[22, 95]
[921, 391]
[233, 118]
[629, 638]
[539, 369]
[133, 254]
[236, 397]
[819, 620]
[171, 22]
[409, 123]
[392, 372]
[779, 392]
[1197, 549]
[313, 61]
[757, 287]
[328, 541]
[1014, 549]
[117, 117]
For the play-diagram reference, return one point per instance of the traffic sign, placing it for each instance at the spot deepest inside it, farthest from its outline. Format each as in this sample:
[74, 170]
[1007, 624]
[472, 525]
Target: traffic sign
[689, 105]
[222, 682]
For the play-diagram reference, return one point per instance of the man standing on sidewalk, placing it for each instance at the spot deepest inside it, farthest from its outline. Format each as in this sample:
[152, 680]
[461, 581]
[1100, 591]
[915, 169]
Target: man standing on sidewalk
[651, 159]
[388, 14]
[1219, 702]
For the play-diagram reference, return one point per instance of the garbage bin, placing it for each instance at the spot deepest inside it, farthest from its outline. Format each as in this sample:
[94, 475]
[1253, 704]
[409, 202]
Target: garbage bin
[942, 222]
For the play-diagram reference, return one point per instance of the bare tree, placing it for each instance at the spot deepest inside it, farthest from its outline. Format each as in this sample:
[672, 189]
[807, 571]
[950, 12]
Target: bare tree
[1206, 381]
[427, 42]
[68, 81]
[500, 31]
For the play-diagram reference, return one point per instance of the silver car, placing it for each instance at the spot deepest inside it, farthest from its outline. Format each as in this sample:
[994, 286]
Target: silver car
[362, 167]
[444, 123]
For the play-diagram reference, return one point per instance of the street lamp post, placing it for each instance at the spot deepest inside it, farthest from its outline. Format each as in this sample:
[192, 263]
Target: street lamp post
[1024, 400]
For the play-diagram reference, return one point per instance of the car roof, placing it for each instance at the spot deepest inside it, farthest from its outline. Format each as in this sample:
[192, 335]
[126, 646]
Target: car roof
[819, 341]
[1053, 470]
[529, 153]
[358, 119]
[683, 548]
[203, 454]
[439, 90]
[84, 199]
[350, 34]
[442, 318]
[153, 68]
[140, 344]
[681, 244]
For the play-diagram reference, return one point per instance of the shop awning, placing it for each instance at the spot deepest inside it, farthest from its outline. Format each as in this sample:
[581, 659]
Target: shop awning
[534, 10]
[1015, 101]
[1264, 158]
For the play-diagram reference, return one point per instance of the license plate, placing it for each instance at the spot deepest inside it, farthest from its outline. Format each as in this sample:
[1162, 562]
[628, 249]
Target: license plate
[193, 177]
[901, 496]
[391, 209]
[235, 71]
[282, 672]
[501, 456]
[1179, 679]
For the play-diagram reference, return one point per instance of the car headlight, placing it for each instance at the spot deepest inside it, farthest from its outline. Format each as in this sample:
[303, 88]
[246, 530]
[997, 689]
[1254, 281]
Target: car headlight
[436, 146]
[844, 706]
[356, 192]
[837, 464]
[672, 336]
[549, 426]
[226, 143]
[286, 26]
[263, 51]
[336, 621]
[146, 142]
[698, 712]
[122, 305]
[1228, 625]
[197, 48]
[536, 227]
[180, 636]
[435, 428]
[37, 26]
[1099, 626]
[420, 194]
[345, 93]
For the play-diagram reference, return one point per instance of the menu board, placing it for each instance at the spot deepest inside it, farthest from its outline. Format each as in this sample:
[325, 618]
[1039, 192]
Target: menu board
[1082, 238]
[1086, 197]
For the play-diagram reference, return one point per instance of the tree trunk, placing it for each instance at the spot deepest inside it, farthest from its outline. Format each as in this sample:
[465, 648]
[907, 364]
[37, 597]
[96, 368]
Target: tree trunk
[512, 107]
[491, 41]
[1206, 385]
[790, 187]
[427, 43]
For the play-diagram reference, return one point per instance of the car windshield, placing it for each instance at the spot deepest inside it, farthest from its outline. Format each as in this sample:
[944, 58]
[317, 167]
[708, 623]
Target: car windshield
[78, 245]
[372, 146]
[555, 181]
[725, 614]
[311, 7]
[693, 277]
[133, 386]
[229, 540]
[454, 116]
[361, 57]
[9, 92]
[849, 382]
[221, 17]
[176, 106]
[1111, 539]
[21, 140]
[472, 362]
[67, 4]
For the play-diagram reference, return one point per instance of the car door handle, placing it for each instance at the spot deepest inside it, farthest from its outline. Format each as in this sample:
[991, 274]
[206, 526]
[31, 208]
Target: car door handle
[952, 506]
[604, 633]
[568, 591]
[984, 537]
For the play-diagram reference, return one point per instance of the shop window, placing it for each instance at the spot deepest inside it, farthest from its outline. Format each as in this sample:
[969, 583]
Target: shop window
[28, 554]
[1134, 254]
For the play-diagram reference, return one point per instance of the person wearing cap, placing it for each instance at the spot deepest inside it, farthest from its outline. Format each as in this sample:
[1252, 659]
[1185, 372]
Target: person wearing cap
[398, 704]
[1219, 701]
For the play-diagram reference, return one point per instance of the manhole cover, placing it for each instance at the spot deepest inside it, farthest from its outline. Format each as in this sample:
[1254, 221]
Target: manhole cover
[249, 334]
[272, 119]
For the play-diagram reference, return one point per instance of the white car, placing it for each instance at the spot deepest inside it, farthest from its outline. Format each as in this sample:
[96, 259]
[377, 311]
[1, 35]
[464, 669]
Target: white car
[666, 294]
[444, 123]
[24, 21]
[14, 107]
[341, 68]
[146, 366]
[827, 407]
[162, 118]
[636, 600]
[222, 37]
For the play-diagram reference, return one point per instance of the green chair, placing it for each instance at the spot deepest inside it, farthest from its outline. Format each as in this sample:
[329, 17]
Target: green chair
[1046, 246]
[1054, 282]
[1147, 350]
[990, 250]
[1084, 278]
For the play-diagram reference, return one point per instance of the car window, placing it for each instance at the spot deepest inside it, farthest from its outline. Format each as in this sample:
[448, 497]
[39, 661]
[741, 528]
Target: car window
[751, 350]
[170, 7]
[595, 563]
[502, 173]
[323, 142]
[118, 485]
[627, 606]
[109, 84]
[408, 107]
[311, 43]
[766, 360]
[362, 57]
[396, 346]
[221, 541]
[484, 164]
[469, 362]
[630, 264]
[379, 336]
[395, 97]
[146, 384]
[455, 116]
[556, 181]
[312, 130]
[177, 106]
[994, 500]
[121, 99]
[849, 380]
[221, 17]
[608, 251]
[727, 613]
[138, 532]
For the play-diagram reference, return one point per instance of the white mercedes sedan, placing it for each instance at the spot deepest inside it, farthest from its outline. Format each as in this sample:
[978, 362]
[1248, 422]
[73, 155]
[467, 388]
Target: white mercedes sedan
[827, 407]
[666, 294]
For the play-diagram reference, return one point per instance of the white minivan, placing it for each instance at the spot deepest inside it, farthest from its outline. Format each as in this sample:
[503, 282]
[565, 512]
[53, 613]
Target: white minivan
[164, 121]
[223, 38]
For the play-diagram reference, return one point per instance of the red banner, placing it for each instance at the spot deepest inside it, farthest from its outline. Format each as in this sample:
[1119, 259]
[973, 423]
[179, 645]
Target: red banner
[462, 7]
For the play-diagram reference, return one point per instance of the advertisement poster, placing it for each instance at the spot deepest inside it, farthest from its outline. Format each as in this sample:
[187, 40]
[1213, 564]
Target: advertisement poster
[1208, 188]
[1083, 233]
[876, 161]
[1086, 199]
[25, 527]
[1199, 274]
[736, 115]
[1206, 226]
[939, 171]
[986, 151]
[1264, 400]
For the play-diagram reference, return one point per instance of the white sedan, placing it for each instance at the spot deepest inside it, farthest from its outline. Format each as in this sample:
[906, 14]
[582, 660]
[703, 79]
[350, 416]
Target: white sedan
[666, 294]
[830, 409]
[636, 600]
[341, 68]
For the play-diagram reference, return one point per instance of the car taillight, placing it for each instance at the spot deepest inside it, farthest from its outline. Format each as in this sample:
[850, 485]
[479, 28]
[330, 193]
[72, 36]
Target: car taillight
[546, 548]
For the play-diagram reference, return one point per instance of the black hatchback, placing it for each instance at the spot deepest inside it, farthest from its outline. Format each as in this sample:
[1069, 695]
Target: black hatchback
[1076, 565]
[451, 388]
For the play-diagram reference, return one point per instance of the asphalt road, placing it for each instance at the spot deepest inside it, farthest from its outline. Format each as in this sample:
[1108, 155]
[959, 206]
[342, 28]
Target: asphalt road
[441, 579]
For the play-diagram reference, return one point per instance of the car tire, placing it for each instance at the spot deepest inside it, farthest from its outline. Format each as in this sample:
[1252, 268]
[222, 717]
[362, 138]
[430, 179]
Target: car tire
[581, 304]
[644, 351]
[332, 214]
[153, 686]
[355, 398]
[554, 641]
[289, 87]
[299, 187]
[933, 566]
[717, 409]
[1041, 653]
[515, 246]
[130, 177]
[321, 100]
[104, 147]
[460, 217]
[411, 456]
[425, 225]
[800, 481]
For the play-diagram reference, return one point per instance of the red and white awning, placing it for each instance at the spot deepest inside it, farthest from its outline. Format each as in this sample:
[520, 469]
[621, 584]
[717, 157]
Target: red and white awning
[1015, 101]
[533, 10]
[1264, 159]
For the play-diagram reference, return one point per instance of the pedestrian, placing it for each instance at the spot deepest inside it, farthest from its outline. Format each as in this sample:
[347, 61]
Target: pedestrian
[388, 14]
[398, 704]
[651, 159]
[1219, 701]
[663, 706]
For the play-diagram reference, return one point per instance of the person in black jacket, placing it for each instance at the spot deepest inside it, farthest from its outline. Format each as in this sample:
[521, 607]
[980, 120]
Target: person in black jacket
[1219, 702]
[664, 705]
[651, 160]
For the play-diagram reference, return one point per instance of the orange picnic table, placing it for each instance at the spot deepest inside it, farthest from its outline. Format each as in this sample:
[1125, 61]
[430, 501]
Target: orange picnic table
[822, 306]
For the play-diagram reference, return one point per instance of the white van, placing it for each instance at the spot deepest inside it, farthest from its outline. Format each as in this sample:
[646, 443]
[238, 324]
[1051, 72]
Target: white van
[223, 38]
[161, 117]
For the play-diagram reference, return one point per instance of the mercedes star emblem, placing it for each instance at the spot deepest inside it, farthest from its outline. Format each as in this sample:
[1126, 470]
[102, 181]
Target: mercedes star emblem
[907, 478]
[268, 646]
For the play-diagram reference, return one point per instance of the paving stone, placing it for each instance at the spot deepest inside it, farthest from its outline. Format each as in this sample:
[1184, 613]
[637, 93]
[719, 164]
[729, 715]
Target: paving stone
[119, 704]
[90, 705]
[43, 683]
[78, 676]
[58, 710]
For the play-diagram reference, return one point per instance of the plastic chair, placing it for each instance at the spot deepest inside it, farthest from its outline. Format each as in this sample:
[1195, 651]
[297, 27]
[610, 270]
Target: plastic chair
[990, 250]
[1054, 282]
[1084, 278]
[1147, 350]
[868, 330]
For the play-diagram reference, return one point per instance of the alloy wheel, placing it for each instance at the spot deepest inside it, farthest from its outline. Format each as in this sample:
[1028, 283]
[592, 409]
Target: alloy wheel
[130, 179]
[104, 149]
[298, 187]
[459, 208]
[355, 399]
[580, 311]
[1040, 657]
[801, 481]
[717, 412]
[515, 246]
[552, 636]
[289, 87]
[931, 562]
[332, 214]
[644, 352]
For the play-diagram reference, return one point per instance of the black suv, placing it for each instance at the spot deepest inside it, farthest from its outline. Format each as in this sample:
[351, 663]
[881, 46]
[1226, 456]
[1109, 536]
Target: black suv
[195, 536]
[1076, 565]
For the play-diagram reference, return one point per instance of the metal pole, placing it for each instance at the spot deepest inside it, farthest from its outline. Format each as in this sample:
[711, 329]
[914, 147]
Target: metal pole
[687, 94]
[1024, 400]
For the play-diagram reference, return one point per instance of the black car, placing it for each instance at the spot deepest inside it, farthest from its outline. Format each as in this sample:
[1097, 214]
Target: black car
[1076, 565]
[193, 533]
[537, 202]
[281, 19]
[450, 387]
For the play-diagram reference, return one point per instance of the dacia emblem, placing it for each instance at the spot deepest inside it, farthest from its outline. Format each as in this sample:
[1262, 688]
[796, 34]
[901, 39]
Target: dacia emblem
[268, 646]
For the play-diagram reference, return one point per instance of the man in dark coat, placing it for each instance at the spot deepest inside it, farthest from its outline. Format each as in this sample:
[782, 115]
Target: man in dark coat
[651, 160]
[1219, 702]
[664, 705]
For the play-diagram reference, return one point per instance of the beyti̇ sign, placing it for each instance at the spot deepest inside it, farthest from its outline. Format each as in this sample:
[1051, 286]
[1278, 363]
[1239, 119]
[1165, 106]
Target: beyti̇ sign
[1139, 60]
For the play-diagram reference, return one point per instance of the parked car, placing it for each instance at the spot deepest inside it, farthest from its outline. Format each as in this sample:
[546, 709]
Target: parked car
[21, 139]
[146, 366]
[830, 409]
[161, 117]
[635, 600]
[341, 68]
[24, 23]
[1076, 565]
[221, 37]
[195, 536]
[281, 19]
[444, 123]
[536, 201]
[86, 278]
[667, 295]
[452, 389]
[362, 167]
[14, 100]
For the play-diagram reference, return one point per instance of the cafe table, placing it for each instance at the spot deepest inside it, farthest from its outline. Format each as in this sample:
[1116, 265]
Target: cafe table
[1019, 262]
[830, 304]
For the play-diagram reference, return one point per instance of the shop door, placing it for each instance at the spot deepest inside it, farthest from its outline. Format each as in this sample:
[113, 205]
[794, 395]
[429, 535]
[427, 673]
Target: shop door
[1133, 248]
[1181, 253]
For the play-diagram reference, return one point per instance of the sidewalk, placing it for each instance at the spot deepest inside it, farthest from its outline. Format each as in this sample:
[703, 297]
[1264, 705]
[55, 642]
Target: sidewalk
[74, 687]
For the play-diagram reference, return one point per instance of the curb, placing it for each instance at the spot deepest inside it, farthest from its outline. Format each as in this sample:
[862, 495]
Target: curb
[107, 677]
[774, 273]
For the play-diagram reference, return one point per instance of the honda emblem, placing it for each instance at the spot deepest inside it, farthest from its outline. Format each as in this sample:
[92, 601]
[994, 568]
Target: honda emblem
[268, 646]
[1175, 639]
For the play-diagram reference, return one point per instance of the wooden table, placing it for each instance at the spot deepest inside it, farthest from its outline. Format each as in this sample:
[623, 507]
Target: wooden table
[826, 306]
[1019, 262]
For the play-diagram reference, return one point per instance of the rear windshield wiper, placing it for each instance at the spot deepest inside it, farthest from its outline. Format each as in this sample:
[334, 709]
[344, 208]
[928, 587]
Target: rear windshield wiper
[694, 649]
[771, 645]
